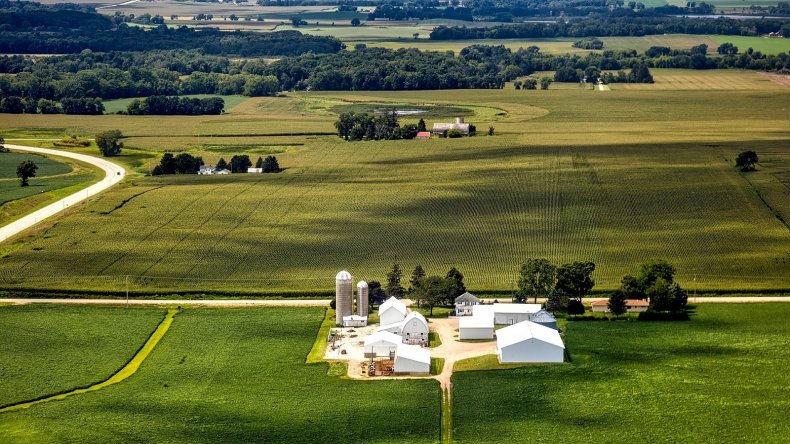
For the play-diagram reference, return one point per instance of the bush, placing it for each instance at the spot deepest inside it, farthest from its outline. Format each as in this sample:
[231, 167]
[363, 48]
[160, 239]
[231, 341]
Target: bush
[663, 316]
[575, 307]
[588, 43]
[454, 134]
[109, 142]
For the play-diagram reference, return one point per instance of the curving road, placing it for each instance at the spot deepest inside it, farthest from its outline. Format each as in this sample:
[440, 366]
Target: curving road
[114, 174]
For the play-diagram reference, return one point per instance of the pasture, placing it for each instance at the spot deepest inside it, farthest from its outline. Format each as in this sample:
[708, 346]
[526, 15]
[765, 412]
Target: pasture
[720, 377]
[236, 375]
[51, 349]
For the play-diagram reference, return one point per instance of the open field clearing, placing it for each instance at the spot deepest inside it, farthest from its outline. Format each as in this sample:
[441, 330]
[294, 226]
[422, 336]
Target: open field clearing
[51, 349]
[616, 177]
[237, 375]
[720, 377]
[763, 44]
[694, 80]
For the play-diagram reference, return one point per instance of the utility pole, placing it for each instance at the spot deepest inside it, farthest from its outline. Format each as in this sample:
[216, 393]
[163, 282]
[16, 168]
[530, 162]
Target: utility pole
[127, 291]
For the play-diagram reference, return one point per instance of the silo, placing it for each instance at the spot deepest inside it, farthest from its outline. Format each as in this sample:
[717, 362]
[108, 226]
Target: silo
[362, 298]
[344, 295]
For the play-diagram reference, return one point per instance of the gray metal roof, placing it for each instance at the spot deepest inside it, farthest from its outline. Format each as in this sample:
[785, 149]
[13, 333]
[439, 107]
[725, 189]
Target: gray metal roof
[467, 297]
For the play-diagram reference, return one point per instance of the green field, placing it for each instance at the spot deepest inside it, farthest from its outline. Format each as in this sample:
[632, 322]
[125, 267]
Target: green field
[51, 349]
[617, 177]
[234, 375]
[719, 378]
[114, 106]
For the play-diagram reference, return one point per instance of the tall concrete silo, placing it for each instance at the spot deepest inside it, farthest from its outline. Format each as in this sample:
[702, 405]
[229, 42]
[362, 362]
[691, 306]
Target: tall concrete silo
[344, 295]
[362, 298]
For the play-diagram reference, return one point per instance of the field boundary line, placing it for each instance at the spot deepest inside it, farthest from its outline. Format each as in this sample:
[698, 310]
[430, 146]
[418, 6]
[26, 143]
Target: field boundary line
[126, 371]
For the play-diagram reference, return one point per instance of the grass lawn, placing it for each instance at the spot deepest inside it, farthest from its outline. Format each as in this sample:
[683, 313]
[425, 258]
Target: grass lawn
[720, 377]
[237, 375]
[49, 349]
[113, 106]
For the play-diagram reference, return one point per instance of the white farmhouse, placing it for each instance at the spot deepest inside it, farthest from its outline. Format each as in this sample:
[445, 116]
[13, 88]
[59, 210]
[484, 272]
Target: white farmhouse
[479, 326]
[381, 344]
[411, 359]
[355, 321]
[391, 311]
[529, 342]
[510, 314]
[464, 304]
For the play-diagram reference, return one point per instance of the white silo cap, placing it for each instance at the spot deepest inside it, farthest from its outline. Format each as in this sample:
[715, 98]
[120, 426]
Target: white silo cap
[362, 284]
[343, 276]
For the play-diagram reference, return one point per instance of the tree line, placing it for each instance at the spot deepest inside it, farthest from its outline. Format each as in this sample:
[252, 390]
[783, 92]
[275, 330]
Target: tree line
[185, 163]
[358, 126]
[164, 105]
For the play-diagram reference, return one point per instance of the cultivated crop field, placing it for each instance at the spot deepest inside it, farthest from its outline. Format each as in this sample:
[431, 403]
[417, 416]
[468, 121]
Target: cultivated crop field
[694, 80]
[51, 349]
[234, 375]
[719, 378]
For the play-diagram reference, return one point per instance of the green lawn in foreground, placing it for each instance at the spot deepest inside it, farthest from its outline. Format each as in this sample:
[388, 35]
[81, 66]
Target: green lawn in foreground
[237, 375]
[47, 349]
[721, 377]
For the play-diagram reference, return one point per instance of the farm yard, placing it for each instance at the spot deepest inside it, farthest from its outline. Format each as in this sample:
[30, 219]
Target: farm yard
[616, 186]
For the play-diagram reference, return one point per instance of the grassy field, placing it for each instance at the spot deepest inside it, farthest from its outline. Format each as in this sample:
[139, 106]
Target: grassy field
[236, 375]
[616, 177]
[719, 378]
[51, 349]
[113, 106]
[762, 44]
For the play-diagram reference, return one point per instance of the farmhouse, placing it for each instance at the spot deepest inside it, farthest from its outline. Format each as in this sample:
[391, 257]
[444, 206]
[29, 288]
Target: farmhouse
[411, 359]
[631, 306]
[254, 170]
[206, 169]
[423, 135]
[413, 329]
[441, 128]
[391, 311]
[529, 342]
[381, 344]
[479, 326]
[464, 304]
[355, 321]
[514, 313]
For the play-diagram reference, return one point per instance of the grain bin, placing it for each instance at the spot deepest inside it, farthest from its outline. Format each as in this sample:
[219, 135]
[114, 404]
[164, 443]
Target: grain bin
[344, 295]
[362, 298]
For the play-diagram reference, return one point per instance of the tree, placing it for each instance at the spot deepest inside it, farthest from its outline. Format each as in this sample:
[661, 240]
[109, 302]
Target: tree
[109, 142]
[240, 163]
[530, 83]
[416, 35]
[557, 301]
[416, 276]
[259, 162]
[270, 165]
[575, 307]
[545, 82]
[355, 22]
[394, 287]
[435, 290]
[457, 282]
[651, 271]
[536, 278]
[616, 303]
[375, 294]
[421, 125]
[490, 130]
[48, 107]
[3, 149]
[256, 86]
[24, 171]
[575, 279]
[727, 48]
[221, 164]
[746, 160]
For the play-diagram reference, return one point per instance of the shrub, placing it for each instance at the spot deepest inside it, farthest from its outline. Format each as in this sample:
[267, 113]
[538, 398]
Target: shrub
[575, 307]
[454, 134]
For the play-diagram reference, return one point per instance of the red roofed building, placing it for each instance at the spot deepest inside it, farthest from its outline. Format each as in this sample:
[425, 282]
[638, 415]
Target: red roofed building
[631, 305]
[422, 135]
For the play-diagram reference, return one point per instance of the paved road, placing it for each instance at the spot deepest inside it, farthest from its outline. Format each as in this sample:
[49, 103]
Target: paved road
[114, 174]
[187, 302]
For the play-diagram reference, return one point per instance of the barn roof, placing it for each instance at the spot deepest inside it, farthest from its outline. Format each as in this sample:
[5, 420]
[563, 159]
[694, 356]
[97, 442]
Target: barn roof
[526, 330]
[543, 316]
[383, 336]
[393, 302]
[413, 353]
[476, 321]
[467, 297]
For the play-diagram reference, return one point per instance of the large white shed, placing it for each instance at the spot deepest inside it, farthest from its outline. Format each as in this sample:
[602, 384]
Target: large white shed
[478, 326]
[391, 311]
[529, 342]
[381, 344]
[412, 359]
[510, 314]
[355, 321]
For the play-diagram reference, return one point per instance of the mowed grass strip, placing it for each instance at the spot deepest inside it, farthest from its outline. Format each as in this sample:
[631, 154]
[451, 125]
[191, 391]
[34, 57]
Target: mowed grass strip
[49, 349]
[720, 377]
[238, 375]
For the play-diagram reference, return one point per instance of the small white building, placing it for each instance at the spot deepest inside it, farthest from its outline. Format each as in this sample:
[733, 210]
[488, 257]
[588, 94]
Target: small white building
[391, 311]
[529, 342]
[413, 329]
[206, 169]
[254, 170]
[479, 326]
[510, 314]
[222, 171]
[381, 344]
[412, 359]
[464, 304]
[355, 321]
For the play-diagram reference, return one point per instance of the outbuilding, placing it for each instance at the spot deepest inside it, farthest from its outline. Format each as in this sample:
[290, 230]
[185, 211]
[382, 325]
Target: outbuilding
[464, 304]
[391, 311]
[413, 329]
[479, 326]
[510, 314]
[545, 319]
[254, 170]
[381, 344]
[529, 342]
[423, 135]
[412, 359]
[631, 306]
[355, 321]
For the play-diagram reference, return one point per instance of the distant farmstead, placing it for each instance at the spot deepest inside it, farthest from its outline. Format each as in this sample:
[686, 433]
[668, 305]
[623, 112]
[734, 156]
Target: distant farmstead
[442, 128]
[631, 306]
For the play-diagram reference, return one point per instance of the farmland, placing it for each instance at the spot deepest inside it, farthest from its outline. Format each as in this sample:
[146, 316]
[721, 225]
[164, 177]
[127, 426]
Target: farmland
[236, 375]
[616, 177]
[51, 349]
[720, 377]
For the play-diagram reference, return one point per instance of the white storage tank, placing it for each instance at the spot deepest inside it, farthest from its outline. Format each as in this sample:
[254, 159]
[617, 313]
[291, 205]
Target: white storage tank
[344, 295]
[363, 294]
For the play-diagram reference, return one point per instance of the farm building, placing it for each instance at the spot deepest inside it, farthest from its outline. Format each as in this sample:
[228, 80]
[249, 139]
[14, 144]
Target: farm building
[254, 170]
[480, 326]
[344, 298]
[381, 344]
[206, 169]
[413, 329]
[355, 321]
[423, 135]
[391, 311]
[410, 359]
[545, 319]
[222, 171]
[363, 293]
[514, 313]
[464, 304]
[442, 128]
[529, 342]
[631, 306]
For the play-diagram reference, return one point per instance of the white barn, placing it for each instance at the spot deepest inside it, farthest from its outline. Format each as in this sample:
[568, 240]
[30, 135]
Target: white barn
[381, 344]
[391, 311]
[529, 342]
[510, 314]
[413, 329]
[464, 304]
[479, 326]
[355, 321]
[410, 359]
